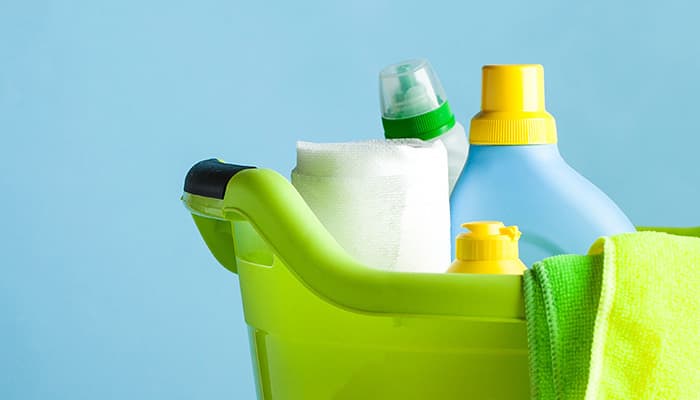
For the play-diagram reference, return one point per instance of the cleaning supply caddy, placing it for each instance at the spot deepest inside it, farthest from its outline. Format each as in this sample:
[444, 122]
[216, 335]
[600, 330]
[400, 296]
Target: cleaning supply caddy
[324, 326]
[515, 172]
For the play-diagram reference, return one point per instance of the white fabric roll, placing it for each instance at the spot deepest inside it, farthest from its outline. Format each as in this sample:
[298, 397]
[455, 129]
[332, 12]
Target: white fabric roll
[385, 202]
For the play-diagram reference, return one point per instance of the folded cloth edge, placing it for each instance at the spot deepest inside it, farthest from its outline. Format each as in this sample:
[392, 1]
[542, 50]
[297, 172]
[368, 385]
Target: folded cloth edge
[605, 246]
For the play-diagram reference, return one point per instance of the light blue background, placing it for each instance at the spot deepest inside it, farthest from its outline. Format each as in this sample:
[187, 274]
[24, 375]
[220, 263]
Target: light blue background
[107, 291]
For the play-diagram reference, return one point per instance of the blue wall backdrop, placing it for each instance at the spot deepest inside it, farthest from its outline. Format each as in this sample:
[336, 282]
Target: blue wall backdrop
[106, 289]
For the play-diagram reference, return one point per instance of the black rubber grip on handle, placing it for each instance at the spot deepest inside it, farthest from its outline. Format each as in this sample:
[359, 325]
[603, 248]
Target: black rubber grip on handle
[209, 178]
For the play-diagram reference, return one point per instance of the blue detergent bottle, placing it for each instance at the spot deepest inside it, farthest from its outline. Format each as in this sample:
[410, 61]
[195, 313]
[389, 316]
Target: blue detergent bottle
[516, 174]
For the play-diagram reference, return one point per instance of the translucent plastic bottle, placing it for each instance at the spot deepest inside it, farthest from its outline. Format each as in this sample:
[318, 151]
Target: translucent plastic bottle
[414, 105]
[515, 172]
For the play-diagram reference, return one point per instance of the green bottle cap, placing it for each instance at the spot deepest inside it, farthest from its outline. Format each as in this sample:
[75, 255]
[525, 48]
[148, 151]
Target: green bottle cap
[413, 101]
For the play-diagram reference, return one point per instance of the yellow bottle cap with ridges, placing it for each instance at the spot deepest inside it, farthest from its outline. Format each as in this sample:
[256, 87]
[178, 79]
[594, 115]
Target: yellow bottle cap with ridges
[487, 241]
[512, 107]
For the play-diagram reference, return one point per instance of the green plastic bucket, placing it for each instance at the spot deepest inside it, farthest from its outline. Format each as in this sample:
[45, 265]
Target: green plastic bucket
[324, 326]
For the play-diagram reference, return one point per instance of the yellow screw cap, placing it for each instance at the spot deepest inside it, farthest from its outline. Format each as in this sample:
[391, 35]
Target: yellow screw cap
[489, 248]
[512, 107]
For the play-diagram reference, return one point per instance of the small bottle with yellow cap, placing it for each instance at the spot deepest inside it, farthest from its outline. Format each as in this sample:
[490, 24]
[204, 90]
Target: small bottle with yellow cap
[488, 248]
[515, 172]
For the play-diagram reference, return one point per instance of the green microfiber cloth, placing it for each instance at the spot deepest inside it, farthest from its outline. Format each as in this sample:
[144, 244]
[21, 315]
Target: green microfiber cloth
[620, 323]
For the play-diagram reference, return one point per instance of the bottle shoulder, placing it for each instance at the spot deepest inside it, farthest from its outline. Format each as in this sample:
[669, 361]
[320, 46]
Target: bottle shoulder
[514, 171]
[541, 188]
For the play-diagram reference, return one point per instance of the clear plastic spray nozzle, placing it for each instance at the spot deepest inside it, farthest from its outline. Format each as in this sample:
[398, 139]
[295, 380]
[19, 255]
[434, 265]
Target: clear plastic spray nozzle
[408, 89]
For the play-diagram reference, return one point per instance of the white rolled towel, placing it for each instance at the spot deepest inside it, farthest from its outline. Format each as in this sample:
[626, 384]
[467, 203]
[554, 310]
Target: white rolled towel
[385, 202]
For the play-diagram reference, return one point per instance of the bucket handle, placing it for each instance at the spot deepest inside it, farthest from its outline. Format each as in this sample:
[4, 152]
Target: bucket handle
[217, 193]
